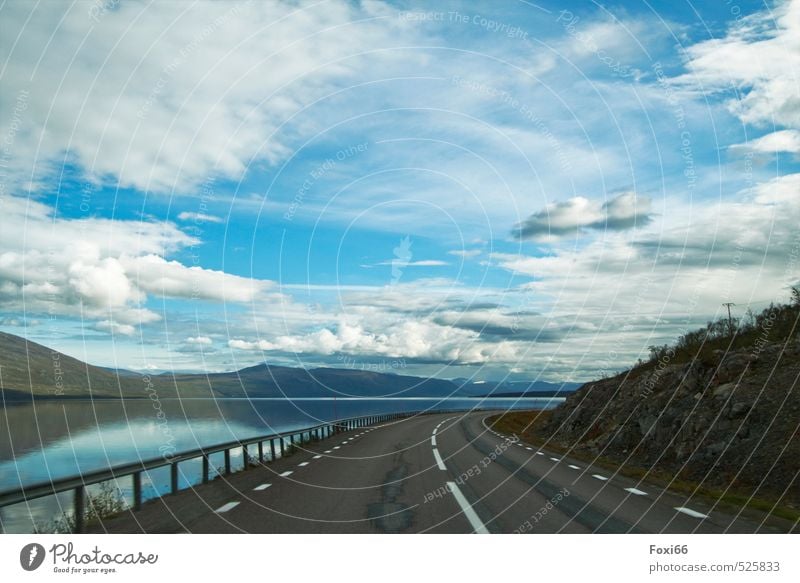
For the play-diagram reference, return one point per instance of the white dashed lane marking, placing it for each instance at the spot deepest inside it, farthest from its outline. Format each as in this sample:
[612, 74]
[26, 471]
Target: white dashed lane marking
[316, 457]
[636, 491]
[438, 459]
[302, 464]
[690, 512]
[555, 459]
[262, 487]
[226, 507]
[599, 477]
[337, 447]
[433, 440]
[539, 453]
[472, 517]
[287, 473]
[573, 467]
[328, 451]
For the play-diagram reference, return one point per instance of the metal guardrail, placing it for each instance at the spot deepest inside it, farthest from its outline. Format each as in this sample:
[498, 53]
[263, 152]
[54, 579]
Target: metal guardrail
[79, 483]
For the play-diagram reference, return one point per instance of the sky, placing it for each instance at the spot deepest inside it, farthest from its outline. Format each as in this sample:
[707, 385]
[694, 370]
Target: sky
[486, 190]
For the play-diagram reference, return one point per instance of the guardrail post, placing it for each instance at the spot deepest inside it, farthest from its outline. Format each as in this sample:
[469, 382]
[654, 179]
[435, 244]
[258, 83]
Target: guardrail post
[280, 440]
[137, 491]
[78, 507]
[244, 456]
[173, 477]
[272, 450]
[227, 461]
[205, 468]
[261, 452]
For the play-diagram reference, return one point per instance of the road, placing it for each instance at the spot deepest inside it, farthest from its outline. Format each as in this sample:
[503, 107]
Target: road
[442, 473]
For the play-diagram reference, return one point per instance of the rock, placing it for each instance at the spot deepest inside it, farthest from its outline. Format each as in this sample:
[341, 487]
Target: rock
[663, 420]
[724, 391]
[739, 409]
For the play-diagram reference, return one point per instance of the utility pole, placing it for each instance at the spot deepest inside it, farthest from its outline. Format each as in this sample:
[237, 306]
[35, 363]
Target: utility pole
[730, 320]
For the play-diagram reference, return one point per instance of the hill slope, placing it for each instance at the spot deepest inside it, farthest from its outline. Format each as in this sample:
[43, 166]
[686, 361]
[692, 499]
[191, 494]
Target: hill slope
[30, 368]
[727, 420]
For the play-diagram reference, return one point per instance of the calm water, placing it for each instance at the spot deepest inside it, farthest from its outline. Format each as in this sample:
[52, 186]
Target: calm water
[54, 439]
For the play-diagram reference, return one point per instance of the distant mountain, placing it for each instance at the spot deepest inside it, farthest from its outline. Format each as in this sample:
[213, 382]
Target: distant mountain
[28, 368]
[517, 388]
[278, 381]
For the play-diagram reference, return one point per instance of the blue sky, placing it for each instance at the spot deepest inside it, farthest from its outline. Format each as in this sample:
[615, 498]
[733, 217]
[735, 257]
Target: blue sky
[493, 189]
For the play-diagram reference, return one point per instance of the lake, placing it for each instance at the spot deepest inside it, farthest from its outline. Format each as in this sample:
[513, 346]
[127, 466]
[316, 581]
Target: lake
[54, 439]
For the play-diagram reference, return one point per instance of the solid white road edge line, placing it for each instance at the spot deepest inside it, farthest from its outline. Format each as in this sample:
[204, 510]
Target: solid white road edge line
[475, 522]
[433, 440]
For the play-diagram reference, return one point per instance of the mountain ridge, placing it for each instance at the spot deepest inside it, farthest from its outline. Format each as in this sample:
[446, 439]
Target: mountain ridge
[32, 370]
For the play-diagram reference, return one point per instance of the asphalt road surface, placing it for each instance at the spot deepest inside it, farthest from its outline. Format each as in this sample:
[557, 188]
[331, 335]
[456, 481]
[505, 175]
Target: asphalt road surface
[443, 473]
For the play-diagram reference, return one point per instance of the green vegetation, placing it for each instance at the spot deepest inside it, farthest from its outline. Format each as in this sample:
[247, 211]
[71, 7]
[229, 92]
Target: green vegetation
[776, 323]
[106, 503]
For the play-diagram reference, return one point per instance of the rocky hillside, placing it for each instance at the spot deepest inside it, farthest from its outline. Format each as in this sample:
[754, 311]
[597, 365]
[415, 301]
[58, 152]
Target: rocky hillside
[728, 418]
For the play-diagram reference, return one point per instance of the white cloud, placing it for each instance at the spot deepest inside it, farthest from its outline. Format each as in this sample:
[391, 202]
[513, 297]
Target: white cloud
[699, 256]
[198, 217]
[465, 253]
[773, 143]
[419, 339]
[158, 96]
[154, 274]
[100, 269]
[115, 327]
[203, 340]
[759, 57]
[624, 211]
[420, 263]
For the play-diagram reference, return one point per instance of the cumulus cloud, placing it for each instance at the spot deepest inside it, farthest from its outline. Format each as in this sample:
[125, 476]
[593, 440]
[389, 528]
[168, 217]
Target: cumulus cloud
[421, 340]
[154, 274]
[201, 340]
[624, 211]
[101, 269]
